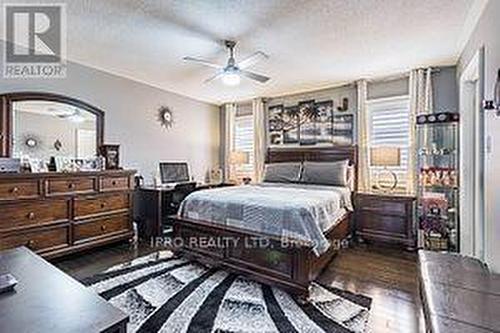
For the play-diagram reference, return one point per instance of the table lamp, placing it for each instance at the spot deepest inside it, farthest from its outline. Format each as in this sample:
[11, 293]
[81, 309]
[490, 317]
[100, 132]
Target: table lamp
[237, 158]
[386, 157]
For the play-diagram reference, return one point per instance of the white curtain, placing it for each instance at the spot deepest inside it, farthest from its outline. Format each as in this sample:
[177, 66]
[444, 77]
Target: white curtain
[421, 101]
[363, 135]
[259, 140]
[229, 117]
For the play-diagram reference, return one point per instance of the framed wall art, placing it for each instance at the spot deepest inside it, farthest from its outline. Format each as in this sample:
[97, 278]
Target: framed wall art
[343, 129]
[275, 124]
[307, 123]
[324, 121]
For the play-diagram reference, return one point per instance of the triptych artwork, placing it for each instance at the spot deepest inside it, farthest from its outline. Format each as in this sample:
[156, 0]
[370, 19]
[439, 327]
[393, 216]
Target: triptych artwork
[309, 123]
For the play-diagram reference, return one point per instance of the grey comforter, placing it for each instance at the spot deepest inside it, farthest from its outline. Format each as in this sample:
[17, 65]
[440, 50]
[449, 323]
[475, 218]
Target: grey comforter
[300, 211]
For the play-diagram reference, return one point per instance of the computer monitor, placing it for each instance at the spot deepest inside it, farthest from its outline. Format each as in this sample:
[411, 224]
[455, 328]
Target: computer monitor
[174, 172]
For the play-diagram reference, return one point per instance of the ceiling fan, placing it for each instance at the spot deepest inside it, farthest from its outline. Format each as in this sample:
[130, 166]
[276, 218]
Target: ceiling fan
[231, 73]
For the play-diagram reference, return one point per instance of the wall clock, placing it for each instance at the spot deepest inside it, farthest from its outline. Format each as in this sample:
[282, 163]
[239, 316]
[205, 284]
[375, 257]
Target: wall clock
[165, 117]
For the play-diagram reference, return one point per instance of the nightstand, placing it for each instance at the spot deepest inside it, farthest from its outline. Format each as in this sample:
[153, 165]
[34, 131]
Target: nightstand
[387, 218]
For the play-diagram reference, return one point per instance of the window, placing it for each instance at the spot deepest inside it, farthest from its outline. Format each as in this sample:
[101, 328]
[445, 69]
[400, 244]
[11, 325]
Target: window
[243, 141]
[389, 126]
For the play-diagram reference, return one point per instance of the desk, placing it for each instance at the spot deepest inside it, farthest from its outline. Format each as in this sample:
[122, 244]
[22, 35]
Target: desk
[152, 207]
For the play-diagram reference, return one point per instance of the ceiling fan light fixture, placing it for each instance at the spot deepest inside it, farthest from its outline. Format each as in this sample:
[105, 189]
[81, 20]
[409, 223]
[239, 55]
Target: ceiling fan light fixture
[231, 79]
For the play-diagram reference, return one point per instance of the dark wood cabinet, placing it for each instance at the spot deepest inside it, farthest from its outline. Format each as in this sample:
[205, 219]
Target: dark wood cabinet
[58, 213]
[386, 218]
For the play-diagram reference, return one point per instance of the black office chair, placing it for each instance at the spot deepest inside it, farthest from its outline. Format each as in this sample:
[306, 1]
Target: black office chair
[179, 193]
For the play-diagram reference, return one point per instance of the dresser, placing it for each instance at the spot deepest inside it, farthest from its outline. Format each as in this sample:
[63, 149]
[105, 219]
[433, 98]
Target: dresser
[59, 213]
[386, 218]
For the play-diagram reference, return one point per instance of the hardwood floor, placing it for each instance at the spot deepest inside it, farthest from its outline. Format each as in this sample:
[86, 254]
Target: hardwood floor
[388, 276]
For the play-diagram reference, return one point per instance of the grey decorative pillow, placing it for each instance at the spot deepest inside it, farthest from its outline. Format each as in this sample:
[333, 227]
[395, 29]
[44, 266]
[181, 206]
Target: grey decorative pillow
[282, 172]
[326, 173]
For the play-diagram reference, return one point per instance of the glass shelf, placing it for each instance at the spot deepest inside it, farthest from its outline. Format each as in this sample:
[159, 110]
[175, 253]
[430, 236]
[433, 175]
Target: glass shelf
[438, 163]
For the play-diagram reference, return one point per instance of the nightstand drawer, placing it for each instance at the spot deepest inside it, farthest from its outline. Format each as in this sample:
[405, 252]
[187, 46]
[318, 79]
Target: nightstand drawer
[383, 224]
[386, 218]
[376, 205]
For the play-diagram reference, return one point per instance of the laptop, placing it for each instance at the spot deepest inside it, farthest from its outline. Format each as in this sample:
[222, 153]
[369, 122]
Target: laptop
[174, 173]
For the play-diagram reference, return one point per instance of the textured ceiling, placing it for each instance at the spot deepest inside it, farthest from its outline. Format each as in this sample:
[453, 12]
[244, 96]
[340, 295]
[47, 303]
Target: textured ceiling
[311, 43]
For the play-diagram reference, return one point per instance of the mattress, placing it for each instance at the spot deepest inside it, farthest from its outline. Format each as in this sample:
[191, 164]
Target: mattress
[300, 211]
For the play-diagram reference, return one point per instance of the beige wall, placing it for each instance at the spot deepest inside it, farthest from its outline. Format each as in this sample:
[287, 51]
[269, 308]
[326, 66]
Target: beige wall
[487, 34]
[130, 109]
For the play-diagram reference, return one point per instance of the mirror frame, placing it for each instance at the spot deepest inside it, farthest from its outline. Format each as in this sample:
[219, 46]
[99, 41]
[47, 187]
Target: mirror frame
[6, 115]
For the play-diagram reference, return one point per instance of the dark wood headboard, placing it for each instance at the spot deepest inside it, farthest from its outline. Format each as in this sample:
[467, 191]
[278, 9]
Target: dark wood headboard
[319, 154]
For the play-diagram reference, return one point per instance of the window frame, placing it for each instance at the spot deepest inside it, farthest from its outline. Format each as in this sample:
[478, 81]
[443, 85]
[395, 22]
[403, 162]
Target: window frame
[403, 171]
[245, 170]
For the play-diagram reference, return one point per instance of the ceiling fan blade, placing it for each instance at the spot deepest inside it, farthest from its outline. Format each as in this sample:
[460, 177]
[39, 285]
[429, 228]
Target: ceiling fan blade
[253, 59]
[215, 77]
[202, 62]
[254, 76]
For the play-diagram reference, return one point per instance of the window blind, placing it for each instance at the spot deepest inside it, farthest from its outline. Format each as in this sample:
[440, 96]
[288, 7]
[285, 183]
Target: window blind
[243, 141]
[390, 126]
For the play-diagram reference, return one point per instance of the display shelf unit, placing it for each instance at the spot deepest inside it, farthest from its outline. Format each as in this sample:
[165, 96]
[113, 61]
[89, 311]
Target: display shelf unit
[438, 181]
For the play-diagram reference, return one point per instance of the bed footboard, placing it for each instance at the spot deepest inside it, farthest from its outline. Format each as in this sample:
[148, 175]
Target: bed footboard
[286, 263]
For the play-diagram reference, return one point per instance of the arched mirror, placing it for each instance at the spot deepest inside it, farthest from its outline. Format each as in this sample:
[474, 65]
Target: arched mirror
[39, 126]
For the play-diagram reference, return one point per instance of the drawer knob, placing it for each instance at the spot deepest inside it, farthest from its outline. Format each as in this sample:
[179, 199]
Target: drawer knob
[71, 186]
[103, 205]
[31, 216]
[103, 227]
[30, 243]
[15, 190]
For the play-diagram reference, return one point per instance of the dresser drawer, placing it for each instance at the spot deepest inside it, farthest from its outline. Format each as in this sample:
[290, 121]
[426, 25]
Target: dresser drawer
[114, 183]
[37, 240]
[33, 213]
[373, 205]
[26, 189]
[100, 227]
[85, 207]
[71, 185]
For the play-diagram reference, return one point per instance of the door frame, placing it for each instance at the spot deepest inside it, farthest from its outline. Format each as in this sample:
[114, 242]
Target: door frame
[472, 143]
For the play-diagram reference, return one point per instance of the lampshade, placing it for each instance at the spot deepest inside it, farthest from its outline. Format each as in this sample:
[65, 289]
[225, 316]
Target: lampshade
[238, 157]
[385, 156]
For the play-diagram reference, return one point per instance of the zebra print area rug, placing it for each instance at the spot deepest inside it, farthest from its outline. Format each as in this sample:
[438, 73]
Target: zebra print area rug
[163, 293]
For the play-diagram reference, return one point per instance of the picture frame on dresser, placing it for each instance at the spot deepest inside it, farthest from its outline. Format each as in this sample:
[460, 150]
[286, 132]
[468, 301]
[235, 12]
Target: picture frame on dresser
[111, 155]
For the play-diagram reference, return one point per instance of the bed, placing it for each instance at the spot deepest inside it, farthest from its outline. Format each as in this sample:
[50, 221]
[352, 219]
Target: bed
[282, 234]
